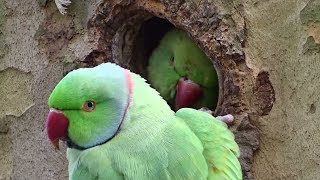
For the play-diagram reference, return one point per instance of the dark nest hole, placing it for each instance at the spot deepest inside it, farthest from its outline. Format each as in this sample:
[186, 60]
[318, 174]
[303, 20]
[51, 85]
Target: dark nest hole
[134, 42]
[149, 35]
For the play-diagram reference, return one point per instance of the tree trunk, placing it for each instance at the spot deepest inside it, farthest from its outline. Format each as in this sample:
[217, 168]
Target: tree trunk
[266, 54]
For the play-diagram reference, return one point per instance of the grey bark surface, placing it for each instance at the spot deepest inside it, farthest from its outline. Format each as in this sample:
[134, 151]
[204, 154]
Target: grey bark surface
[266, 53]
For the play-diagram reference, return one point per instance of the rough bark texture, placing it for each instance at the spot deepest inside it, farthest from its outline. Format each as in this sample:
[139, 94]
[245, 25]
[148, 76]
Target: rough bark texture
[266, 54]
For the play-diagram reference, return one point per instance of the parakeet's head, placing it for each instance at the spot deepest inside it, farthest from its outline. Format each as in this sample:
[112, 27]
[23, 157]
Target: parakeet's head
[180, 70]
[88, 105]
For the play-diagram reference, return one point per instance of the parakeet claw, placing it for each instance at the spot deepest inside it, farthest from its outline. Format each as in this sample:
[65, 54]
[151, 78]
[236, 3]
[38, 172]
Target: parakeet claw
[62, 5]
[205, 109]
[226, 118]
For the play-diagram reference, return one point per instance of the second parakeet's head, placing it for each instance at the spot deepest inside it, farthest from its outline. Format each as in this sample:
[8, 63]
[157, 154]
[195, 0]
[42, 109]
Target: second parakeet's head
[182, 73]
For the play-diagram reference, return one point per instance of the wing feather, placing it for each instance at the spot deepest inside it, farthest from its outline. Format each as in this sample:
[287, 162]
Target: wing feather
[220, 149]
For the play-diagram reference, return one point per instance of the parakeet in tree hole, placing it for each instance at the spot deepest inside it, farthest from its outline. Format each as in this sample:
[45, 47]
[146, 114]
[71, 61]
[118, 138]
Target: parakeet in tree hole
[182, 73]
[117, 127]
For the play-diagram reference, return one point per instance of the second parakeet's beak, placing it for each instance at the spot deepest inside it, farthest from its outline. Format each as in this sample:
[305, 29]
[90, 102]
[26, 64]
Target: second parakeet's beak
[187, 93]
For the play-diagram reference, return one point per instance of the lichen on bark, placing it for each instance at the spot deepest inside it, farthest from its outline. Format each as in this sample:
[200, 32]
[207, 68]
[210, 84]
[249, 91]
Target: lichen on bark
[3, 15]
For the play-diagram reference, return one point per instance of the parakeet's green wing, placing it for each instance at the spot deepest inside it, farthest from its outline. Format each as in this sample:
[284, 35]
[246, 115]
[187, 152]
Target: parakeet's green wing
[220, 149]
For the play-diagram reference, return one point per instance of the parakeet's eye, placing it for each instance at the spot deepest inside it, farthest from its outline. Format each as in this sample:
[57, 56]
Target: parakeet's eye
[88, 106]
[172, 61]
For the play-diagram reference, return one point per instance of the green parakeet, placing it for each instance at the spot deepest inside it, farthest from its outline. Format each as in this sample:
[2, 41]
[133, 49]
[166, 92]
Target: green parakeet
[117, 127]
[182, 73]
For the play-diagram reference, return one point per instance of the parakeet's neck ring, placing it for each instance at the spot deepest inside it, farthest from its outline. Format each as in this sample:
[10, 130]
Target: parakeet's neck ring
[129, 83]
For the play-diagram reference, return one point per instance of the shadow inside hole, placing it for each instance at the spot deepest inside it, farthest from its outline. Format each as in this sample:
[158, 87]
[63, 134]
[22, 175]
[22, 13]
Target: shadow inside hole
[148, 38]
[153, 30]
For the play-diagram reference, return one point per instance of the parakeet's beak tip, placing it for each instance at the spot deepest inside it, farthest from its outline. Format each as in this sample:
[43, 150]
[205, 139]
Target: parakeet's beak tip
[55, 143]
[57, 127]
[188, 93]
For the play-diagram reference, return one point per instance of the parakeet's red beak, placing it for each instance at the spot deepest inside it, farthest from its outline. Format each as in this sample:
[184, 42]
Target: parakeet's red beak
[57, 126]
[188, 93]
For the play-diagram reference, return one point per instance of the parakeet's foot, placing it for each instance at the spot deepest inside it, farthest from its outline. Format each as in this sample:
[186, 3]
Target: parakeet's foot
[205, 109]
[226, 118]
[62, 5]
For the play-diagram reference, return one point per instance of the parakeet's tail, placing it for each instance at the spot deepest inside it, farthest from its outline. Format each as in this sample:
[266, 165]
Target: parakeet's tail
[220, 149]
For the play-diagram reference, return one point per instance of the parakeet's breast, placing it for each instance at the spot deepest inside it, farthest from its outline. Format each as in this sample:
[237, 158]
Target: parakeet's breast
[154, 151]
